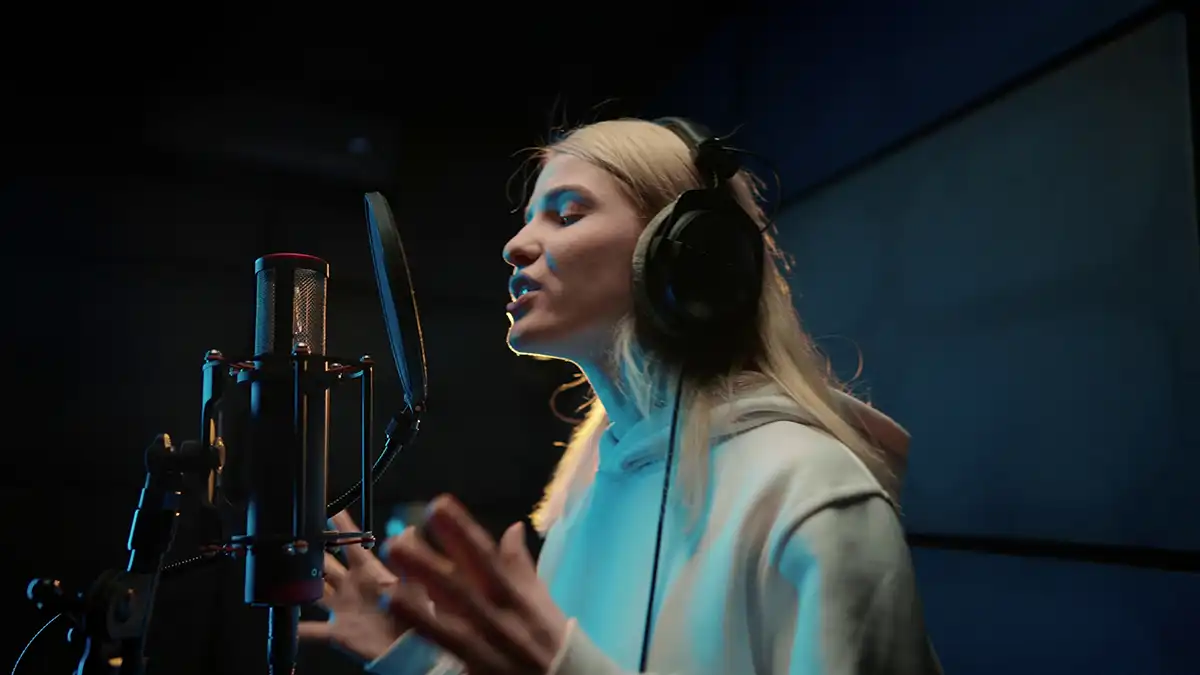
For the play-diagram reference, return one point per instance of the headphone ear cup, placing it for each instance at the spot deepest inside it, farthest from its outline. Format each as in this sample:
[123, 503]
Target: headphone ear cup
[648, 271]
[698, 270]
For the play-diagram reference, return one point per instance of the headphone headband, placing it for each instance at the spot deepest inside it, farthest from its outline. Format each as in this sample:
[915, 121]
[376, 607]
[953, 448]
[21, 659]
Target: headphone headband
[692, 133]
[715, 161]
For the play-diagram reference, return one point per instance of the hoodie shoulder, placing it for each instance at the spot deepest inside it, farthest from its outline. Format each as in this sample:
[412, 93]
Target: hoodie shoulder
[785, 471]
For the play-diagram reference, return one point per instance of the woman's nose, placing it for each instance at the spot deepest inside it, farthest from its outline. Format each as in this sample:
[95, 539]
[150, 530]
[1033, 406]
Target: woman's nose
[521, 251]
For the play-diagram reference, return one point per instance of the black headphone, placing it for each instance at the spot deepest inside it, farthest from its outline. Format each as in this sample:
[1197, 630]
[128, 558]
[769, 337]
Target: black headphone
[698, 267]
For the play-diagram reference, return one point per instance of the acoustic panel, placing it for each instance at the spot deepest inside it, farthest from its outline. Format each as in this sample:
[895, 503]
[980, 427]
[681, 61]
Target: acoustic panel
[997, 615]
[833, 82]
[1024, 285]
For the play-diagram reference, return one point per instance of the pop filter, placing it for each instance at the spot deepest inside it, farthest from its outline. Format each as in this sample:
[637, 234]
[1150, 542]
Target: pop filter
[400, 315]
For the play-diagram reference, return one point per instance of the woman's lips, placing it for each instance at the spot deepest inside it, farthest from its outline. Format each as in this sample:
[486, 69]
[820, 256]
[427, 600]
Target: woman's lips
[518, 306]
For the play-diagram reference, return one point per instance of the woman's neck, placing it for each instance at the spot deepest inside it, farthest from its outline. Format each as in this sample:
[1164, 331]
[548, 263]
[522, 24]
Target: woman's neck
[622, 410]
[615, 391]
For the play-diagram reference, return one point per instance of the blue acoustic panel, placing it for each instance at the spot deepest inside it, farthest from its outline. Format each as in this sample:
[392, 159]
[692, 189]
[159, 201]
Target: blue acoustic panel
[829, 83]
[999, 615]
[1025, 286]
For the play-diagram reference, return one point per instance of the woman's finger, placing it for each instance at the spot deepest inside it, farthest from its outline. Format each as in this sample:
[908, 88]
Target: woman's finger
[356, 554]
[415, 560]
[450, 632]
[342, 522]
[517, 567]
[329, 597]
[315, 631]
[410, 556]
[468, 544]
[505, 633]
[335, 572]
[515, 552]
[441, 596]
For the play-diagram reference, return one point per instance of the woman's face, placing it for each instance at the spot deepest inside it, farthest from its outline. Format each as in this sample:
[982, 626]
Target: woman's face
[572, 262]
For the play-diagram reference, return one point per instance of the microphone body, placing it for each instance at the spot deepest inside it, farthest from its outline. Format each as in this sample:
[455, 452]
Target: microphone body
[288, 453]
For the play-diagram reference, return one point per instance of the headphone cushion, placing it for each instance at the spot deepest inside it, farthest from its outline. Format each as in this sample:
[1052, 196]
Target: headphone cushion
[698, 265]
[646, 304]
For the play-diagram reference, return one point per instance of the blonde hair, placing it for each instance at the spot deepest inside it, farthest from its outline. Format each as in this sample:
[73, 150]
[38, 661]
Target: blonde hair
[654, 166]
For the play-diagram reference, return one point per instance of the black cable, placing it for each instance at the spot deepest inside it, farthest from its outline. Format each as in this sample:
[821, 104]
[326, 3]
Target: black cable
[17, 663]
[662, 516]
[392, 446]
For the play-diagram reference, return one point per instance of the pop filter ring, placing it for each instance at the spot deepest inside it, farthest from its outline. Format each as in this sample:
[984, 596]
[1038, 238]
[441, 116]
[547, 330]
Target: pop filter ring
[394, 281]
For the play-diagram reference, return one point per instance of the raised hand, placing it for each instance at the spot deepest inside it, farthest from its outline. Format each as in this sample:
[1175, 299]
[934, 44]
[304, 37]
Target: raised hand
[493, 612]
[356, 597]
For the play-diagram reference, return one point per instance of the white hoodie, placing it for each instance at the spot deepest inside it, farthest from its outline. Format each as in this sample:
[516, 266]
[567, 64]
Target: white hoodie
[798, 565]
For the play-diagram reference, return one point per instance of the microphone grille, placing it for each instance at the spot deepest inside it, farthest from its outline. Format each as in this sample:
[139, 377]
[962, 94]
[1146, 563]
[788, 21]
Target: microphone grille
[308, 320]
[307, 315]
[264, 313]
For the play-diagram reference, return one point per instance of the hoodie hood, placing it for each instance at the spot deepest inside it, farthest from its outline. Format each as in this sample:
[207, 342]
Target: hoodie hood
[646, 442]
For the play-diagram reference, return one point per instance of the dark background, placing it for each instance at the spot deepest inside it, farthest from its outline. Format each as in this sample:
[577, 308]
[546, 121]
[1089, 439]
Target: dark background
[992, 203]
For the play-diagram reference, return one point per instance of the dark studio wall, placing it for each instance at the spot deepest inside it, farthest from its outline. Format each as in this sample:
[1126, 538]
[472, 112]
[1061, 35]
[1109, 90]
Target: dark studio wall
[993, 205]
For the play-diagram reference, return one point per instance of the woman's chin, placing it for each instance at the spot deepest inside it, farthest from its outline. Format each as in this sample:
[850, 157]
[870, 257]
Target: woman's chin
[527, 338]
[554, 342]
[521, 339]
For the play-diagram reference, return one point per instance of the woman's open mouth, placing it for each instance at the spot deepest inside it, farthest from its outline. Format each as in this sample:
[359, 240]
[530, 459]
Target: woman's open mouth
[521, 288]
[520, 305]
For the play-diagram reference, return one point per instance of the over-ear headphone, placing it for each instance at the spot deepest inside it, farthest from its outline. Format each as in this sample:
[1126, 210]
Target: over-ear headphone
[698, 266]
[697, 280]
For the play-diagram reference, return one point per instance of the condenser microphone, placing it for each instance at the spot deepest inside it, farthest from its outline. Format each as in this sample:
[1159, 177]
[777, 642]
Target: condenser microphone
[287, 453]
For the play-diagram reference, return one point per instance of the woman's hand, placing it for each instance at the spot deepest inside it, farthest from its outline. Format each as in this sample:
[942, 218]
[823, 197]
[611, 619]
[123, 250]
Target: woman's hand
[493, 612]
[354, 597]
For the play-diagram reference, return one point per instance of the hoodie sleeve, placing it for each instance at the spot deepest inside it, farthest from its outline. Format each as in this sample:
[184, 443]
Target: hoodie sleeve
[412, 654]
[852, 604]
[857, 611]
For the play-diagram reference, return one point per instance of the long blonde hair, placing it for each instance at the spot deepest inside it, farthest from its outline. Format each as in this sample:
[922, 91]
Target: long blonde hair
[654, 166]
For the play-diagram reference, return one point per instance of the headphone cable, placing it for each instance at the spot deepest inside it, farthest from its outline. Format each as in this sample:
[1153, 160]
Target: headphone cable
[662, 516]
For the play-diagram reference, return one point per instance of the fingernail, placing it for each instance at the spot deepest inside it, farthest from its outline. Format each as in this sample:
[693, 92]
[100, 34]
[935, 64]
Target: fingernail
[431, 506]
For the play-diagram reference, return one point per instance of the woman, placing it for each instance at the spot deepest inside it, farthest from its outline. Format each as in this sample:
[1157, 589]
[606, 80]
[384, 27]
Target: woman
[775, 546]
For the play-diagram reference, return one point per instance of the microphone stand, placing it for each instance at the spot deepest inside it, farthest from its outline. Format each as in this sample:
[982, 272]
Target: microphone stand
[112, 615]
[282, 640]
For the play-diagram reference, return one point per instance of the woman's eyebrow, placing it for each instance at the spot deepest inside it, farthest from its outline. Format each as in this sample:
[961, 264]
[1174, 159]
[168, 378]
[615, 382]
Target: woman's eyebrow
[556, 197]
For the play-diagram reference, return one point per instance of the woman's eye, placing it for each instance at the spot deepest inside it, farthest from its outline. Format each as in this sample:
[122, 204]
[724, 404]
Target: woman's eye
[569, 218]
